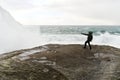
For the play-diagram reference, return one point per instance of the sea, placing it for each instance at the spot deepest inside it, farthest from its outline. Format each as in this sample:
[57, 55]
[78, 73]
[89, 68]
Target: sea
[71, 34]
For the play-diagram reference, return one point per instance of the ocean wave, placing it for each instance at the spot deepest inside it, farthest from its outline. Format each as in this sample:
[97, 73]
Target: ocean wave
[97, 30]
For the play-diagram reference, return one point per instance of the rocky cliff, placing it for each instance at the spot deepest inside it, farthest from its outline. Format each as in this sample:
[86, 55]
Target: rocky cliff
[61, 62]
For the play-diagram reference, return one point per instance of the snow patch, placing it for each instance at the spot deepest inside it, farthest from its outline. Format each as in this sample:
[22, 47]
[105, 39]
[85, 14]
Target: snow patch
[25, 54]
[43, 58]
[45, 70]
[30, 52]
[46, 62]
[24, 58]
[104, 55]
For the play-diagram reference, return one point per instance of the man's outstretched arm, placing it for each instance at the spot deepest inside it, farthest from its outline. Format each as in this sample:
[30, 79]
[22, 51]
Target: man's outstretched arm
[84, 34]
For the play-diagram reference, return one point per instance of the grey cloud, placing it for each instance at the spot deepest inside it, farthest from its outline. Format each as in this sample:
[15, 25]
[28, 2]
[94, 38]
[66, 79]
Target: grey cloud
[107, 10]
[96, 9]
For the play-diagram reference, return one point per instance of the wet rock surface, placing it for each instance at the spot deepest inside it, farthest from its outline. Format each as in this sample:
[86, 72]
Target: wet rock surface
[61, 62]
[12, 70]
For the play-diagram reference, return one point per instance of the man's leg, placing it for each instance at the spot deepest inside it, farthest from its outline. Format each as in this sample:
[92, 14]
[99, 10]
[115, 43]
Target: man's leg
[89, 45]
[85, 44]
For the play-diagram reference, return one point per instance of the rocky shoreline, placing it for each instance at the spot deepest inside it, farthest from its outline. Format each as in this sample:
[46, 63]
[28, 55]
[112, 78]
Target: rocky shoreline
[61, 62]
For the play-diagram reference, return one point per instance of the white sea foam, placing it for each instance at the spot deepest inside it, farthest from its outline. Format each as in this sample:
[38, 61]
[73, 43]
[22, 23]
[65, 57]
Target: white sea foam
[103, 39]
[13, 35]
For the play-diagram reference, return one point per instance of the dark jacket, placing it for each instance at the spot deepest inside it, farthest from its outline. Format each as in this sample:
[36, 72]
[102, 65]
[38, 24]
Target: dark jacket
[89, 36]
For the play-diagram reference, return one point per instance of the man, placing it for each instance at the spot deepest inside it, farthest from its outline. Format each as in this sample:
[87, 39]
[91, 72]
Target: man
[89, 39]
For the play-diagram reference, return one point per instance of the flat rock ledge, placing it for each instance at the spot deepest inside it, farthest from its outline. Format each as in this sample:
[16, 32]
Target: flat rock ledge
[61, 62]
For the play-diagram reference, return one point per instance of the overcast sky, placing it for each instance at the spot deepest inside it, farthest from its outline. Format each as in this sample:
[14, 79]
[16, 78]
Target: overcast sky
[65, 12]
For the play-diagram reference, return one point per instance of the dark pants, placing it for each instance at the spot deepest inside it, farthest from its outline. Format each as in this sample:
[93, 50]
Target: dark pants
[88, 44]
